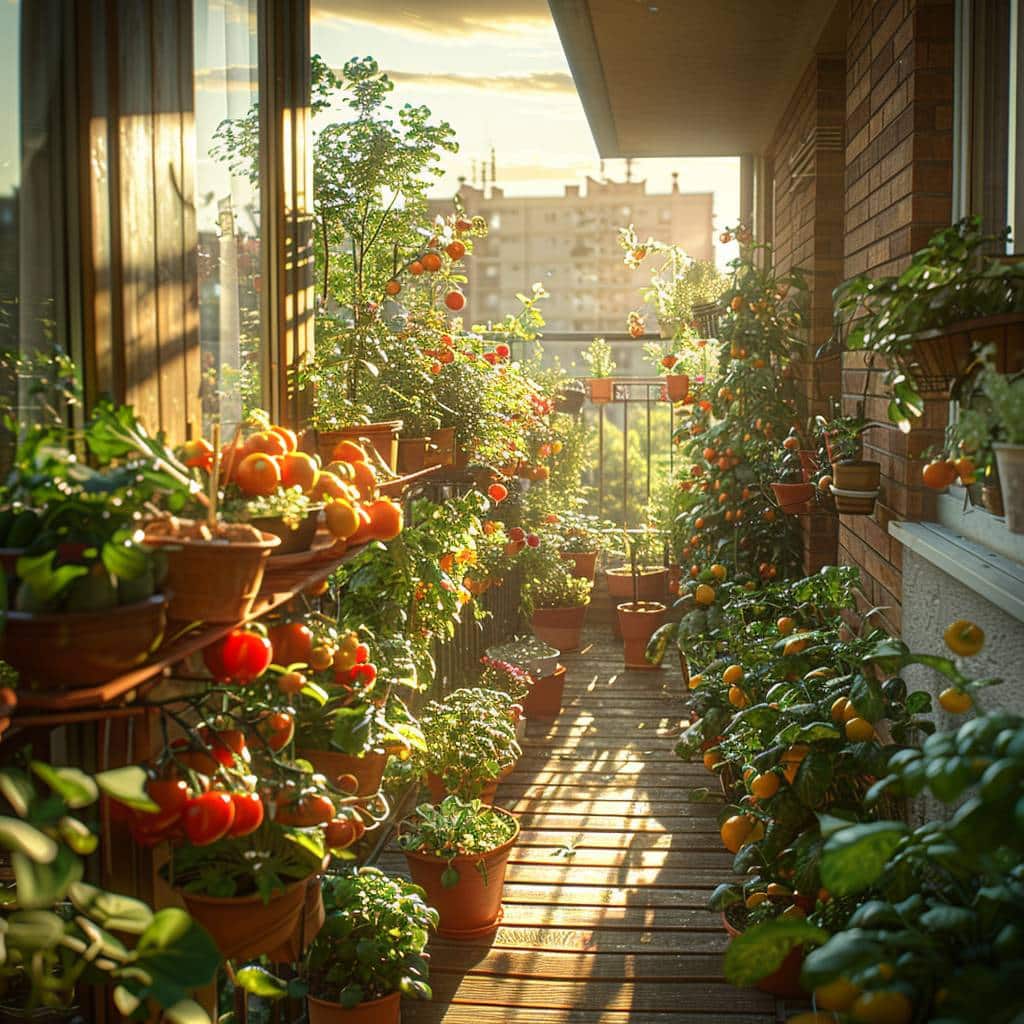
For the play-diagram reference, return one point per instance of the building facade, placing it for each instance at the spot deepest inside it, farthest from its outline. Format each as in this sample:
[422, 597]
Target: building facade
[569, 243]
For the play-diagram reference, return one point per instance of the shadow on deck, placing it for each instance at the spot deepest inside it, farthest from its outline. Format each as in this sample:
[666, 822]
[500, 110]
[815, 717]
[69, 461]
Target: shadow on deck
[606, 918]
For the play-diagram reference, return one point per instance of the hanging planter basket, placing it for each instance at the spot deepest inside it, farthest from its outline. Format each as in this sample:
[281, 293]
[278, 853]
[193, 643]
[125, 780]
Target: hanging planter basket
[940, 356]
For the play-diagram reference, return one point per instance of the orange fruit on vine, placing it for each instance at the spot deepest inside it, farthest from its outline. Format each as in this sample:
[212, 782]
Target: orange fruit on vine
[695, 680]
[291, 683]
[791, 443]
[266, 441]
[964, 638]
[431, 262]
[765, 786]
[348, 451]
[386, 519]
[956, 702]
[393, 287]
[365, 479]
[718, 571]
[736, 831]
[838, 710]
[704, 595]
[732, 675]
[792, 759]
[299, 470]
[882, 1006]
[768, 515]
[795, 645]
[939, 474]
[328, 486]
[258, 475]
[737, 698]
[736, 303]
[786, 625]
[342, 518]
[321, 657]
[965, 470]
[712, 759]
[456, 250]
[755, 899]
[859, 730]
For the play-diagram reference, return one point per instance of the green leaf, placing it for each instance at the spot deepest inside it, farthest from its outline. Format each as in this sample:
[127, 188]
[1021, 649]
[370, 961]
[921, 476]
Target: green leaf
[19, 836]
[73, 786]
[127, 786]
[814, 778]
[919, 702]
[17, 789]
[185, 1011]
[352, 729]
[77, 835]
[34, 929]
[844, 954]
[43, 884]
[178, 955]
[866, 697]
[258, 981]
[111, 910]
[37, 573]
[761, 949]
[855, 858]
[949, 919]
[656, 646]
[125, 560]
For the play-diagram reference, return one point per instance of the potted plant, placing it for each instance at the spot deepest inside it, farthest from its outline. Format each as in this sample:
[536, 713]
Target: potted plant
[598, 357]
[369, 951]
[514, 683]
[1005, 395]
[555, 600]
[638, 619]
[924, 321]
[583, 539]
[469, 741]
[457, 853]
[791, 488]
[680, 361]
[58, 929]
[528, 653]
[855, 481]
[650, 578]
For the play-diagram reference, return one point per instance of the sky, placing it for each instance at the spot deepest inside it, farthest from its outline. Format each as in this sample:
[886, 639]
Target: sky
[495, 70]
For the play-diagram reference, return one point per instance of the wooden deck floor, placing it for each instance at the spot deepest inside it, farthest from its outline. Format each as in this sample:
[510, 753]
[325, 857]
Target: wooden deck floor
[617, 932]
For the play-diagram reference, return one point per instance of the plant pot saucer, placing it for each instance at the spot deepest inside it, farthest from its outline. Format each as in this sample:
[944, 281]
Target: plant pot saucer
[473, 933]
[322, 543]
[843, 493]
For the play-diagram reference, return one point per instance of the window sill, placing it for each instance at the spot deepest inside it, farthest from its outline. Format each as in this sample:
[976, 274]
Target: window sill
[997, 579]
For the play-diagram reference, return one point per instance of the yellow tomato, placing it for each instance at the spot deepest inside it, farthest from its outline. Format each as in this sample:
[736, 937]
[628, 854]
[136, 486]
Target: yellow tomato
[955, 701]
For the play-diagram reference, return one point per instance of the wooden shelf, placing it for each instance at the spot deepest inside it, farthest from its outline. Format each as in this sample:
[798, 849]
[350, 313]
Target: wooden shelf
[55, 707]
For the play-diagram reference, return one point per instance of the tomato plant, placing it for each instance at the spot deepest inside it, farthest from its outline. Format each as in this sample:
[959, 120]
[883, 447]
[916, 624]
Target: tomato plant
[240, 657]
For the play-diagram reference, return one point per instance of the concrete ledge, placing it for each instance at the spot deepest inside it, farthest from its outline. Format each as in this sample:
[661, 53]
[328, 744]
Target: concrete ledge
[995, 578]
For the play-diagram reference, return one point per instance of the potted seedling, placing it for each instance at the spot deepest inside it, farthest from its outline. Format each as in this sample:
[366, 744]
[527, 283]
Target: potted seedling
[369, 952]
[638, 619]
[855, 480]
[650, 578]
[469, 742]
[598, 357]
[792, 489]
[554, 598]
[457, 853]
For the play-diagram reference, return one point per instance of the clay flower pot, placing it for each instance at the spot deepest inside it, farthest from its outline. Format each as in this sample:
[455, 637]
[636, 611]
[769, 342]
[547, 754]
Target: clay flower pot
[652, 582]
[213, 582]
[637, 622]
[545, 697]
[75, 649]
[677, 385]
[438, 791]
[584, 563]
[560, 627]
[793, 499]
[601, 389]
[855, 486]
[440, 447]
[367, 768]
[244, 927]
[292, 541]
[412, 454]
[386, 1010]
[471, 907]
[381, 436]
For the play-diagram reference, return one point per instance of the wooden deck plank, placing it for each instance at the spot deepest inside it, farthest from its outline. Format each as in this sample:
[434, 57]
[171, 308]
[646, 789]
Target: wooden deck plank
[605, 917]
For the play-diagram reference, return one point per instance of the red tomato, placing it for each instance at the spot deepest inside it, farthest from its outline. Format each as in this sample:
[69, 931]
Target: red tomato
[224, 745]
[292, 643]
[363, 674]
[277, 729]
[497, 492]
[208, 817]
[248, 814]
[362, 653]
[240, 657]
[455, 301]
[343, 832]
[171, 795]
[456, 250]
[304, 811]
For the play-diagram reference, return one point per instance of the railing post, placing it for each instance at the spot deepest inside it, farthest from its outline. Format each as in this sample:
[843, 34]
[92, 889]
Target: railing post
[625, 455]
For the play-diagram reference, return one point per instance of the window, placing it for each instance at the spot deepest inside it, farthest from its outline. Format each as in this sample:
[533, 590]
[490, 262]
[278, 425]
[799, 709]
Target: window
[227, 208]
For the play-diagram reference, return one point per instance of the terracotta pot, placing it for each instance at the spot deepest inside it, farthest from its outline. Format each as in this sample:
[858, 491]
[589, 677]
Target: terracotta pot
[584, 563]
[677, 385]
[471, 907]
[1010, 462]
[783, 982]
[244, 927]
[368, 768]
[545, 697]
[637, 624]
[793, 498]
[440, 447]
[412, 454]
[292, 541]
[992, 499]
[856, 475]
[210, 582]
[311, 920]
[383, 437]
[601, 389]
[652, 583]
[438, 791]
[72, 649]
[560, 627]
[386, 1010]
[808, 463]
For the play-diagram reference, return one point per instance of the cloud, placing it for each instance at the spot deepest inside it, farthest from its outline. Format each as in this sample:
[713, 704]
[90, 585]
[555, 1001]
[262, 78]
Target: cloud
[233, 78]
[546, 82]
[438, 18]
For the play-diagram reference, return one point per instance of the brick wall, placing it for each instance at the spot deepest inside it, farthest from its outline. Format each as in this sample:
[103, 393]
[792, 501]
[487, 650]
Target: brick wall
[899, 113]
[808, 223]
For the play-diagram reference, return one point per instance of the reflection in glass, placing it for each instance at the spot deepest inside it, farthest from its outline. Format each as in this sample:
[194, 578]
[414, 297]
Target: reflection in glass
[227, 208]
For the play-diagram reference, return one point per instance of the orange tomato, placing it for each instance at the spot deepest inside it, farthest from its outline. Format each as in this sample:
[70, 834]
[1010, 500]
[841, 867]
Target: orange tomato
[258, 474]
[299, 470]
[386, 519]
[342, 518]
[939, 474]
[291, 442]
[365, 479]
[267, 442]
[348, 451]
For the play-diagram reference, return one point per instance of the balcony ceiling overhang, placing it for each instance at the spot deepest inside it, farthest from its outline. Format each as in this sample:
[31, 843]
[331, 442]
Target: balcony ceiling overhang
[671, 78]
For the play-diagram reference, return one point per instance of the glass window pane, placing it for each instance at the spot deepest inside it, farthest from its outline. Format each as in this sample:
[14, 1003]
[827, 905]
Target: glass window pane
[228, 208]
